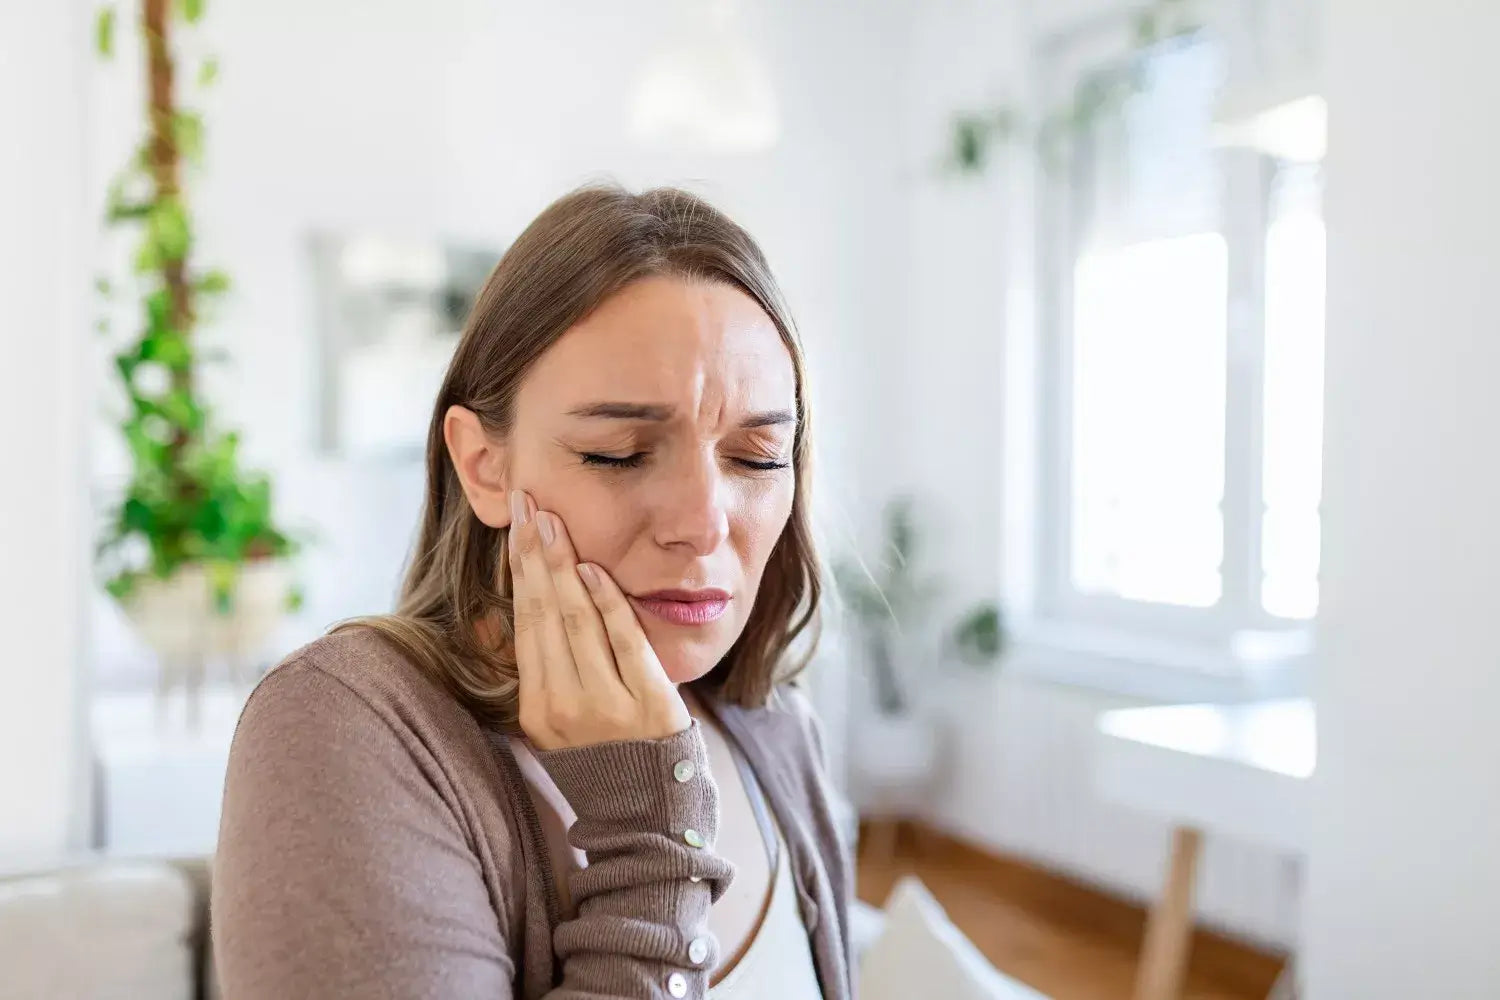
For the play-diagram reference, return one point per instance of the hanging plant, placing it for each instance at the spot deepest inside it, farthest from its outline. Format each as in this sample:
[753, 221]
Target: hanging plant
[189, 502]
[977, 135]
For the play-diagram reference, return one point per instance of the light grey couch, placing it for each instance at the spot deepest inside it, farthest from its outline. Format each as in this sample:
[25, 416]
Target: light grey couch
[105, 929]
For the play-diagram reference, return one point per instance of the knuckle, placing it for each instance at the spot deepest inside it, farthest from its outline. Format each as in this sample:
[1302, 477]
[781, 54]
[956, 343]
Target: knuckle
[626, 646]
[564, 715]
[618, 716]
[575, 623]
[531, 613]
[533, 723]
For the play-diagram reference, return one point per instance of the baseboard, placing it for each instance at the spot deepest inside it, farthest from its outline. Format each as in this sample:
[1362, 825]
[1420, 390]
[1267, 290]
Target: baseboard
[1064, 900]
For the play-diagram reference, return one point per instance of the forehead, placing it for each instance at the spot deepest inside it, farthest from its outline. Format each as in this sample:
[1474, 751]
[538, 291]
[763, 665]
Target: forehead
[685, 343]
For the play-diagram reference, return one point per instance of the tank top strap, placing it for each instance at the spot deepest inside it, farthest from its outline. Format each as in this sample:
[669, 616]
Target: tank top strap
[769, 834]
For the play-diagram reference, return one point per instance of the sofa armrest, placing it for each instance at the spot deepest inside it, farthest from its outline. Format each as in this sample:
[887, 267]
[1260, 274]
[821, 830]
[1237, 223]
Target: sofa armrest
[92, 926]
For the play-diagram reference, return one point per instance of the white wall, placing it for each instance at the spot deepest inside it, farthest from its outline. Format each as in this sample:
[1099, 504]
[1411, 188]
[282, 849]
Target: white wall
[961, 375]
[1404, 879]
[43, 288]
[463, 118]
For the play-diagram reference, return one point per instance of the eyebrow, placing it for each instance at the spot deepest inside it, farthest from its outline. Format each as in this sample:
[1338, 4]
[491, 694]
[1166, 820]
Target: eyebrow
[659, 412]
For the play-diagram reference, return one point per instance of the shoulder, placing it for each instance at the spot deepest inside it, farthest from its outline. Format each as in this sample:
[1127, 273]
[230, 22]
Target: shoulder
[353, 791]
[357, 675]
[348, 735]
[359, 659]
[353, 704]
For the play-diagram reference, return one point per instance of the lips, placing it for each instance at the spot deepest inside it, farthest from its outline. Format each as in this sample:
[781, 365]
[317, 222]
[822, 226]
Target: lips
[684, 607]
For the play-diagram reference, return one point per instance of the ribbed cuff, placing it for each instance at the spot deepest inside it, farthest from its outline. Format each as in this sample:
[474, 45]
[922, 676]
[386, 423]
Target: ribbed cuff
[647, 812]
[632, 782]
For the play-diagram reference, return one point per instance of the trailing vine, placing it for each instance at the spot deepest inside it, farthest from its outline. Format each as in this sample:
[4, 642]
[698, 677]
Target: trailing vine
[978, 133]
[188, 502]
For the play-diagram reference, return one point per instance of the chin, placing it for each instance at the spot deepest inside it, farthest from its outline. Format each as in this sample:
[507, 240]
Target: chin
[686, 658]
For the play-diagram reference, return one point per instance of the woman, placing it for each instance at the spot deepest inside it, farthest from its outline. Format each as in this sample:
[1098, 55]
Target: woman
[568, 766]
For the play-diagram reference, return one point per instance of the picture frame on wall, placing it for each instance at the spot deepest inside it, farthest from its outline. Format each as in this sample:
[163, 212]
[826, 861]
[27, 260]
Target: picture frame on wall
[389, 315]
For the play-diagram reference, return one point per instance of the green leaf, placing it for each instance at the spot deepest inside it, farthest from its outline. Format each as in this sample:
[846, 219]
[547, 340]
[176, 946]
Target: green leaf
[104, 31]
[125, 364]
[166, 346]
[171, 349]
[181, 409]
[102, 286]
[168, 235]
[980, 634]
[136, 516]
[187, 133]
[212, 283]
[122, 586]
[295, 598]
[158, 309]
[970, 143]
[147, 256]
[192, 10]
[208, 71]
[118, 206]
[121, 211]
[1146, 30]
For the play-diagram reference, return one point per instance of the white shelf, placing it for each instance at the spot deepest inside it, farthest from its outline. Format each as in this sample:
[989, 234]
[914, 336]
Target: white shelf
[160, 783]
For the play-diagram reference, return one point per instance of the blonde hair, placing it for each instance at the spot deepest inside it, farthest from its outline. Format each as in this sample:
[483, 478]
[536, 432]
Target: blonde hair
[583, 248]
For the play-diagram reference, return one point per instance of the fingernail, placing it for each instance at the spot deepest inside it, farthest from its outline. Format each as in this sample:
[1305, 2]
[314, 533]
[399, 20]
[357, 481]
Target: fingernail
[518, 511]
[546, 527]
[590, 575]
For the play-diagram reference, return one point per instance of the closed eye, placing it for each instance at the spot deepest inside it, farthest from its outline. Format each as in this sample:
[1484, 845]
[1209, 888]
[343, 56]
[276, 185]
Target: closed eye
[613, 461]
[635, 459]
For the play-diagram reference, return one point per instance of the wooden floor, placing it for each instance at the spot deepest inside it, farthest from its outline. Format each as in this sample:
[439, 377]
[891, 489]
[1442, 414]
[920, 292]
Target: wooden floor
[1065, 940]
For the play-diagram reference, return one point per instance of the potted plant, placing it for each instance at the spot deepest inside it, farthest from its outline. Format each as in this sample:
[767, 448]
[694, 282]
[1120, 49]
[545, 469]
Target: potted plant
[191, 551]
[895, 748]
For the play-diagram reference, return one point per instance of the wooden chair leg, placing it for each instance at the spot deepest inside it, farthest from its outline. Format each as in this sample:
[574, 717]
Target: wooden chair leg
[1169, 928]
[1285, 987]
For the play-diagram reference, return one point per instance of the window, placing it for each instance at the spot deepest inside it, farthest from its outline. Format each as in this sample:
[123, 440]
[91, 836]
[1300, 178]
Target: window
[1184, 382]
[1292, 433]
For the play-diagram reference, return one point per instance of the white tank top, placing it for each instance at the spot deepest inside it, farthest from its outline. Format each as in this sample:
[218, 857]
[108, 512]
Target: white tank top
[779, 961]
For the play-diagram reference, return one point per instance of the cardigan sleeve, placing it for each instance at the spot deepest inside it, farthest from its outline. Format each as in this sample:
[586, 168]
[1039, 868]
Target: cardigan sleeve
[342, 870]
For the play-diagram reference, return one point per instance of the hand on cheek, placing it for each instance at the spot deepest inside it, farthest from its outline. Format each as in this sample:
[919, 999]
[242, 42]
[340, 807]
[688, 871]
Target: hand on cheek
[587, 672]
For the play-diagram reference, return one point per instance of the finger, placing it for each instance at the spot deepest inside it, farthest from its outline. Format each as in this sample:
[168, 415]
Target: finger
[582, 624]
[634, 658]
[543, 616]
[541, 675]
[528, 665]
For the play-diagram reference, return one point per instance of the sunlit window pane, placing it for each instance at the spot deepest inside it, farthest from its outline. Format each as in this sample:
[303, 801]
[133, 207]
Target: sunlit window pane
[1148, 420]
[1293, 427]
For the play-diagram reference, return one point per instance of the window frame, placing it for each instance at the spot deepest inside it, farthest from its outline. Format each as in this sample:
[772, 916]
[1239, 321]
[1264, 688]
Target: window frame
[1063, 213]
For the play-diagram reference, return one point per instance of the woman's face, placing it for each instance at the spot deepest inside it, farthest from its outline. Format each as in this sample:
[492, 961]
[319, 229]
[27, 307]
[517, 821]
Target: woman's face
[660, 430]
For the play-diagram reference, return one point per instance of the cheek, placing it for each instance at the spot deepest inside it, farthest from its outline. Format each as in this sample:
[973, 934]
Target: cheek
[601, 522]
[600, 519]
[759, 523]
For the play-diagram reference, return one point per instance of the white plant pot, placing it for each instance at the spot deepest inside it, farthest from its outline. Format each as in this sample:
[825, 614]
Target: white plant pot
[177, 618]
[893, 761]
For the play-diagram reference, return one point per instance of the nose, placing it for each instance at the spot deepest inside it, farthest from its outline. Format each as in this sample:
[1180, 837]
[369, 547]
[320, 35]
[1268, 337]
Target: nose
[693, 514]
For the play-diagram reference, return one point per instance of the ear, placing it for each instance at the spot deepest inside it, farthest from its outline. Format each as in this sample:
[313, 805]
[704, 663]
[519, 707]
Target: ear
[482, 465]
